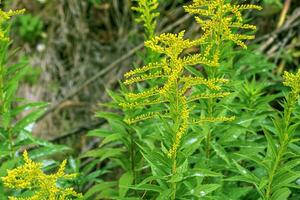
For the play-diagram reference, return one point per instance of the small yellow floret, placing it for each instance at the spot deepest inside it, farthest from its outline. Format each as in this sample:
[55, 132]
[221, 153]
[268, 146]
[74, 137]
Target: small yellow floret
[293, 81]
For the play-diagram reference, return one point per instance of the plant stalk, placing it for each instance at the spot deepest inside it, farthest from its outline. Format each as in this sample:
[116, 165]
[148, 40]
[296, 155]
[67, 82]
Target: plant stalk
[287, 120]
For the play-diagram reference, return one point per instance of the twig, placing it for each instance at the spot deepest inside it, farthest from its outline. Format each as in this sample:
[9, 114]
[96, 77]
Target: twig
[78, 130]
[284, 12]
[272, 36]
[292, 22]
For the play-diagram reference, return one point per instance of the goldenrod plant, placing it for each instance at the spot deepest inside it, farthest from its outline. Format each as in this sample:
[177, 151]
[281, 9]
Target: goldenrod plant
[174, 86]
[15, 131]
[219, 21]
[280, 162]
[174, 81]
[165, 110]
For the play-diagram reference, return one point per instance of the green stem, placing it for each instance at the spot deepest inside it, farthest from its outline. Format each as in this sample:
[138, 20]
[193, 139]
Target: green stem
[285, 140]
[174, 169]
[208, 134]
[1, 89]
[176, 122]
[132, 156]
[274, 169]
[207, 149]
[11, 145]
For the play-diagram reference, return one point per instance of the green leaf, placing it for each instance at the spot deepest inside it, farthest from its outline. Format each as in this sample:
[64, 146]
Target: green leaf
[99, 133]
[198, 172]
[103, 153]
[205, 189]
[272, 150]
[8, 165]
[29, 106]
[124, 183]
[148, 187]
[98, 188]
[220, 151]
[284, 179]
[50, 150]
[281, 194]
[27, 120]
[111, 138]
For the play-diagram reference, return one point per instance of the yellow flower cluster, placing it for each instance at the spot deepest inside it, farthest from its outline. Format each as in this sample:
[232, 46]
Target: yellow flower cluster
[172, 45]
[219, 20]
[292, 81]
[5, 16]
[31, 177]
[147, 15]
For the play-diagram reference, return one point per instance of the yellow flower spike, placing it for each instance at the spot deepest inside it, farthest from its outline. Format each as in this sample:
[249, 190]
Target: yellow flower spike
[134, 105]
[143, 69]
[142, 117]
[293, 81]
[144, 77]
[198, 59]
[210, 83]
[30, 177]
[62, 167]
[182, 129]
[218, 19]
[146, 94]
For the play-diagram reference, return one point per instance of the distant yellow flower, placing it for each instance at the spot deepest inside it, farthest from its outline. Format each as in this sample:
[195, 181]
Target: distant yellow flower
[45, 187]
[5, 16]
[219, 19]
[293, 81]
